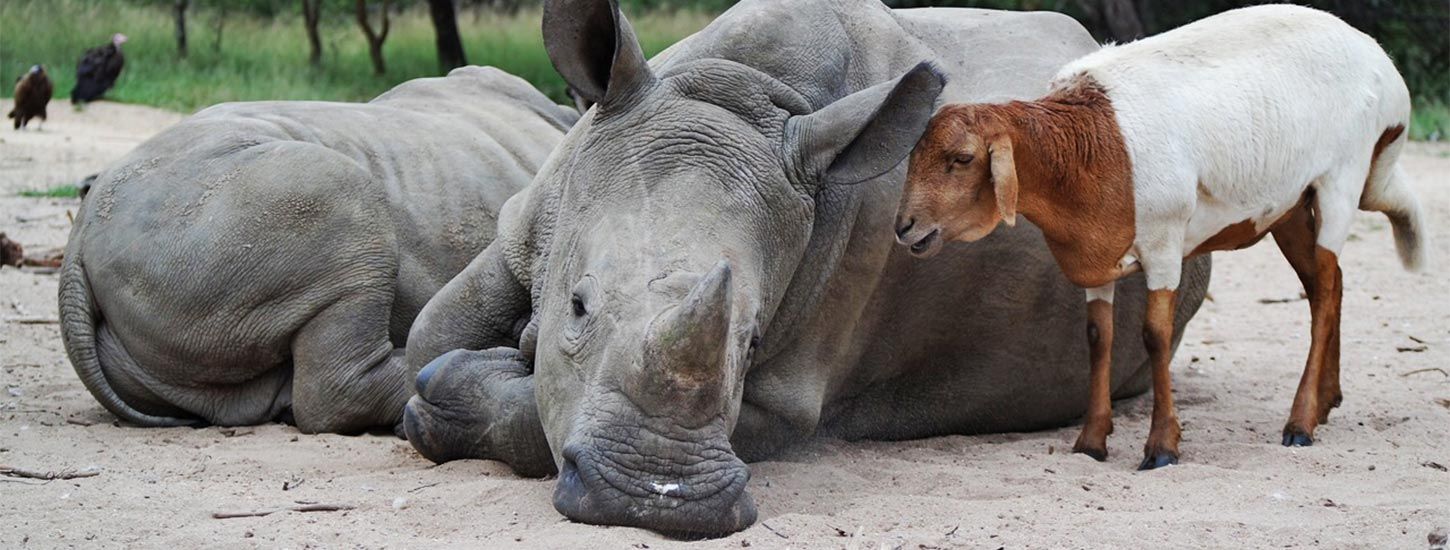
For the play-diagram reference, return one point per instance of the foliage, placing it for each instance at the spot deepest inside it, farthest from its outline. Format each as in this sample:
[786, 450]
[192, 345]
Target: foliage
[263, 51]
[266, 58]
[57, 192]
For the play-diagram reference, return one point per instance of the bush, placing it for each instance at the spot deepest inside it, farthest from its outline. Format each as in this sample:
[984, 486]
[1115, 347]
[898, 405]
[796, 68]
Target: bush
[264, 57]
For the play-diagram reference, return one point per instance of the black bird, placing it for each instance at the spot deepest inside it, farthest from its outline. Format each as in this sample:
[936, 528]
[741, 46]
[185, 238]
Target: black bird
[97, 70]
[32, 94]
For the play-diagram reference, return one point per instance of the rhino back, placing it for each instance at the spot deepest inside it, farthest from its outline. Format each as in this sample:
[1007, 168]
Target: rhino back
[445, 152]
[251, 216]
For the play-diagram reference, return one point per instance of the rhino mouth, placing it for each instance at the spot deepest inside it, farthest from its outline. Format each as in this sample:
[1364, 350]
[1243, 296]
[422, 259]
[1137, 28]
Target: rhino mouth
[683, 494]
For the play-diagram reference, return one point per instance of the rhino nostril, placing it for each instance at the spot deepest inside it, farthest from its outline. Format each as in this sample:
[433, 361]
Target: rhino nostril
[902, 228]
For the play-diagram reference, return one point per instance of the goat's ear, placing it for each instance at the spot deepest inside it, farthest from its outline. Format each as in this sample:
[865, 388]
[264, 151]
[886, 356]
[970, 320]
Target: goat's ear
[866, 134]
[1004, 178]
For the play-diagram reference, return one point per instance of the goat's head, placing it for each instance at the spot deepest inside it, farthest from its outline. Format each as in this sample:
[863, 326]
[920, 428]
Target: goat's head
[960, 183]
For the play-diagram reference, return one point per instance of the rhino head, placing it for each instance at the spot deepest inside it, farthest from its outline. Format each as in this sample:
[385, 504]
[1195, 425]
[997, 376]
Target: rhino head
[689, 200]
[657, 245]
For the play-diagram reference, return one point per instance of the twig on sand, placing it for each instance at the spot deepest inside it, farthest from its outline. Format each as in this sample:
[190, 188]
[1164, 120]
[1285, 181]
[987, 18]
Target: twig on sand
[1417, 340]
[25, 481]
[1431, 369]
[421, 487]
[1281, 300]
[1412, 349]
[33, 474]
[293, 483]
[33, 320]
[773, 531]
[300, 508]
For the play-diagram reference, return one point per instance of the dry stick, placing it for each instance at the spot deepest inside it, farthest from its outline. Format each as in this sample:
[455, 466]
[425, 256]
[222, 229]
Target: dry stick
[302, 508]
[777, 533]
[1431, 369]
[32, 474]
[24, 481]
[33, 320]
[421, 487]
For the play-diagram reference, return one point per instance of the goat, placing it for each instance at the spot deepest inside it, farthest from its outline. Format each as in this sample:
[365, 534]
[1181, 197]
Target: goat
[1270, 119]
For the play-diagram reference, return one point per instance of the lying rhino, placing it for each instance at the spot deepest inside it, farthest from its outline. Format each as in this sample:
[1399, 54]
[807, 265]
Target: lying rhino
[704, 269]
[265, 260]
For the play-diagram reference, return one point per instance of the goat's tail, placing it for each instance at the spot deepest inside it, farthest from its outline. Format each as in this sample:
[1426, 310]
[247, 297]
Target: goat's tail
[1387, 190]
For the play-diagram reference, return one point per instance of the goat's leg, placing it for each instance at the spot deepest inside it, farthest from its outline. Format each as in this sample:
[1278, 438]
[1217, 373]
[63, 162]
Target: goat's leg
[1093, 440]
[1318, 387]
[1162, 446]
[1310, 403]
[1295, 237]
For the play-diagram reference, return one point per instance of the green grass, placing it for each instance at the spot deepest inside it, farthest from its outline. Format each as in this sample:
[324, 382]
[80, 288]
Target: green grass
[262, 58]
[1430, 121]
[57, 192]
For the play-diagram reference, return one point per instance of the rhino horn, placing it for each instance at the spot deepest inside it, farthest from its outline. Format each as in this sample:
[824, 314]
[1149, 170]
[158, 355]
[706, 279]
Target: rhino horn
[689, 341]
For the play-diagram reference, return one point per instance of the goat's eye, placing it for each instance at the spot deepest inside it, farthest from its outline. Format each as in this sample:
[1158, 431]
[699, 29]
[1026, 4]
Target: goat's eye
[963, 160]
[578, 304]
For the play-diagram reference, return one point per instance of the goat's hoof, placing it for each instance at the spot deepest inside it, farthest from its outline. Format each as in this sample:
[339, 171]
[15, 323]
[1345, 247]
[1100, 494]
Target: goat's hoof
[1153, 461]
[1099, 454]
[1296, 438]
[1326, 405]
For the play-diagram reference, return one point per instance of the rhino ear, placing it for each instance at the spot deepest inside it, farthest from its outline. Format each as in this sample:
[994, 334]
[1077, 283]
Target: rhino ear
[594, 49]
[865, 134]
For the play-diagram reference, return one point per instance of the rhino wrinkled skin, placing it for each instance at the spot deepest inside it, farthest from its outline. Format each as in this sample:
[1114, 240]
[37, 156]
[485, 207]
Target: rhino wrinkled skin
[703, 272]
[265, 260]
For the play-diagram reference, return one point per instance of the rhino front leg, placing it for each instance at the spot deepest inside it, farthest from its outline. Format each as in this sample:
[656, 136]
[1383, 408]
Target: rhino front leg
[472, 403]
[480, 308]
[479, 404]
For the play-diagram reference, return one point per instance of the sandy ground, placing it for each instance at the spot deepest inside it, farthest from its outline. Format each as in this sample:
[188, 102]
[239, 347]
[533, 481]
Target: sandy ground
[1376, 479]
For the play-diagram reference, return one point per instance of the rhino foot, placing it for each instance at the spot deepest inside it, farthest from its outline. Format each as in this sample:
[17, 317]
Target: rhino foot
[479, 404]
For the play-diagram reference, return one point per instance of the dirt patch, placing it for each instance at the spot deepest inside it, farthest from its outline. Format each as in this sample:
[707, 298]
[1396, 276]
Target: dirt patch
[1368, 482]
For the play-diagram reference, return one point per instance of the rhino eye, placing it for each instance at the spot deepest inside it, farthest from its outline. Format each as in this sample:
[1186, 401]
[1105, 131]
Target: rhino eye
[578, 303]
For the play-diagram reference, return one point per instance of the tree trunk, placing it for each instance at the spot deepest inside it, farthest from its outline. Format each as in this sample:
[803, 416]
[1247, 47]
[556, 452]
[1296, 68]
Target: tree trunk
[180, 10]
[221, 19]
[445, 31]
[1115, 20]
[375, 38]
[311, 15]
[1122, 19]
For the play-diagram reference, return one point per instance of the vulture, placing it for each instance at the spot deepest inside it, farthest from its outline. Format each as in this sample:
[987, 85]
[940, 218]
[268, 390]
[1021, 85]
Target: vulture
[32, 94]
[97, 70]
[11, 253]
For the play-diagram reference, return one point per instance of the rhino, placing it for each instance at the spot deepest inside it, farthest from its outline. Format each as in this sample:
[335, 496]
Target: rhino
[704, 271]
[264, 261]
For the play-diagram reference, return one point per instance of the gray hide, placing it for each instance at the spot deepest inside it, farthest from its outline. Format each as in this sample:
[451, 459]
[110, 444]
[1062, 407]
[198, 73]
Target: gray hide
[707, 271]
[264, 259]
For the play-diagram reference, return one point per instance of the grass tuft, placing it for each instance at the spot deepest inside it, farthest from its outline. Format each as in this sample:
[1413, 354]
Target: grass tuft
[1430, 121]
[57, 192]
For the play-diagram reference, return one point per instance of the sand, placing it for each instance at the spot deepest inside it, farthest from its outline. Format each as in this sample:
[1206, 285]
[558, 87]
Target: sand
[1375, 479]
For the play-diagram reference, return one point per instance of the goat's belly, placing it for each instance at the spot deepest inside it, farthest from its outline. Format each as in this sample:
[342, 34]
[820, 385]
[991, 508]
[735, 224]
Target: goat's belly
[1218, 226]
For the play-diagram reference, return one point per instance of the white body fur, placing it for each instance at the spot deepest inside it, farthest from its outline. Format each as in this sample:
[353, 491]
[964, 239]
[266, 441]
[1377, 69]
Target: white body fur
[1235, 116]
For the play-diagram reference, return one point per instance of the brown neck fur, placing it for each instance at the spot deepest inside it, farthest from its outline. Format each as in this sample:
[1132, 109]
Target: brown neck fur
[1074, 176]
